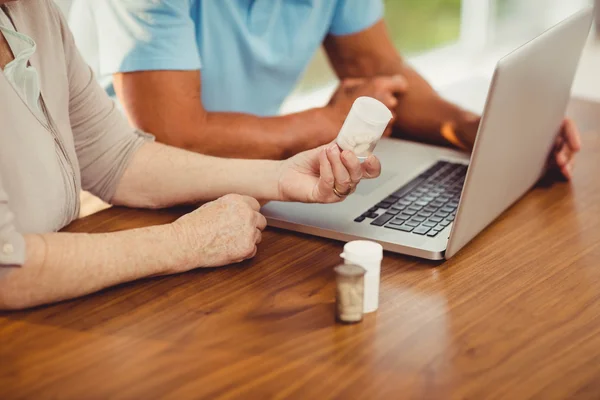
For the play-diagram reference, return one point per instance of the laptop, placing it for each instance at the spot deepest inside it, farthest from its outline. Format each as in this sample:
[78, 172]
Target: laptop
[429, 202]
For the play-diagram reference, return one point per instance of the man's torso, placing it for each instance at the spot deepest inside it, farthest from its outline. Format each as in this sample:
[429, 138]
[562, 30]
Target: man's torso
[253, 60]
[252, 51]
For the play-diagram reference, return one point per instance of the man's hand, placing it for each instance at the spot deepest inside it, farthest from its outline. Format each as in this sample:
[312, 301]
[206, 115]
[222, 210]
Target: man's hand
[567, 145]
[222, 232]
[312, 176]
[562, 158]
[383, 88]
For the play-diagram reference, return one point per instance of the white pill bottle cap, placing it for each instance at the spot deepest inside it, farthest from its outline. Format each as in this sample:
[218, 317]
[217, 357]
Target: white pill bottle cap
[367, 119]
[363, 250]
[368, 255]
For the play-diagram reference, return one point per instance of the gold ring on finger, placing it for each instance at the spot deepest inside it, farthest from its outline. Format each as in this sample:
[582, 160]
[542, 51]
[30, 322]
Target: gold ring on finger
[340, 194]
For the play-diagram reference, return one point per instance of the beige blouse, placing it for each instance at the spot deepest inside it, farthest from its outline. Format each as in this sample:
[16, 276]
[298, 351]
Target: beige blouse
[85, 142]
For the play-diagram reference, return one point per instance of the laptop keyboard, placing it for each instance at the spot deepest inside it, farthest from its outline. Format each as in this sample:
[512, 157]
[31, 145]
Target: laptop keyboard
[424, 206]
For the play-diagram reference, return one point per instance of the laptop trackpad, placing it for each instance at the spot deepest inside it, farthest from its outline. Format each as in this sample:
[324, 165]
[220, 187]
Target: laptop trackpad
[368, 186]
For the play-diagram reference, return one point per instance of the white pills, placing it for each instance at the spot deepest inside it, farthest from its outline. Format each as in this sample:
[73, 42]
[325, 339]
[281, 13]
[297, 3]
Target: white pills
[364, 126]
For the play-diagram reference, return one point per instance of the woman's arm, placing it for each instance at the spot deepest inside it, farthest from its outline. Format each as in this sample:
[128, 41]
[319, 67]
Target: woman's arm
[65, 265]
[160, 176]
[60, 266]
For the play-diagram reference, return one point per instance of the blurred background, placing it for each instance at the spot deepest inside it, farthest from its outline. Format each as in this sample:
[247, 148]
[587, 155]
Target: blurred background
[446, 40]
[450, 41]
[457, 29]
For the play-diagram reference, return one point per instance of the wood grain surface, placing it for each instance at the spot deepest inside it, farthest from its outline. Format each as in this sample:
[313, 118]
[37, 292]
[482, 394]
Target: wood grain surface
[515, 315]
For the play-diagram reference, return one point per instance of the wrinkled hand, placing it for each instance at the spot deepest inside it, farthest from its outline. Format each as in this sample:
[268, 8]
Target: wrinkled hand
[221, 232]
[310, 176]
[562, 158]
[383, 88]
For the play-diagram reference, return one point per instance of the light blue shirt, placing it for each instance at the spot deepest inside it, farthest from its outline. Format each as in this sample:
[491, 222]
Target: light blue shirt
[251, 52]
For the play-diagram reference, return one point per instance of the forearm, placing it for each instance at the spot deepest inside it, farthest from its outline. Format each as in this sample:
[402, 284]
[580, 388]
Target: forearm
[420, 111]
[236, 135]
[60, 266]
[169, 105]
[161, 176]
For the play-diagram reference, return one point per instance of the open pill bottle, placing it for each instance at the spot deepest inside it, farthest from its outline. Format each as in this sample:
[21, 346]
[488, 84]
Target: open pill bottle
[350, 293]
[364, 126]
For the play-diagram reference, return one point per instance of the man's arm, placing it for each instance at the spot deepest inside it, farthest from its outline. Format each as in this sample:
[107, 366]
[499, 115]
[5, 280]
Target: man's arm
[420, 112]
[150, 49]
[168, 104]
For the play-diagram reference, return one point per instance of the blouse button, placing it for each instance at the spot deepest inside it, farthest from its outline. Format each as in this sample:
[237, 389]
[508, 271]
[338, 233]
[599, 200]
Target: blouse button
[8, 248]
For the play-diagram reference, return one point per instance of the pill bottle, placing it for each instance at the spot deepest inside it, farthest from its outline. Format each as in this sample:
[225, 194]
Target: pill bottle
[364, 126]
[349, 293]
[368, 255]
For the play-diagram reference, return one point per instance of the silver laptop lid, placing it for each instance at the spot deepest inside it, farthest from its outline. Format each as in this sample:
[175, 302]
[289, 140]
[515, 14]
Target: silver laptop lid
[524, 110]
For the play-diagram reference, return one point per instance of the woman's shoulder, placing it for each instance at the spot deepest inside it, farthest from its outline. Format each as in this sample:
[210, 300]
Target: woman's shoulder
[37, 16]
[43, 21]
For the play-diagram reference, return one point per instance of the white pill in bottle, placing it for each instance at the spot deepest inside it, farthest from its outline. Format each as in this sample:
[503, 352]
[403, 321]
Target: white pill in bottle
[364, 126]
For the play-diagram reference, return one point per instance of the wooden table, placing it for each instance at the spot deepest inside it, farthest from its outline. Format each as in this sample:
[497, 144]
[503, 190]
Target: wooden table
[515, 315]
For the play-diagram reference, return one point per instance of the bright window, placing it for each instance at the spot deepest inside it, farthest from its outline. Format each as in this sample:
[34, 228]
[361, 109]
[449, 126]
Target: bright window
[421, 25]
[443, 38]
[416, 26]
[518, 20]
